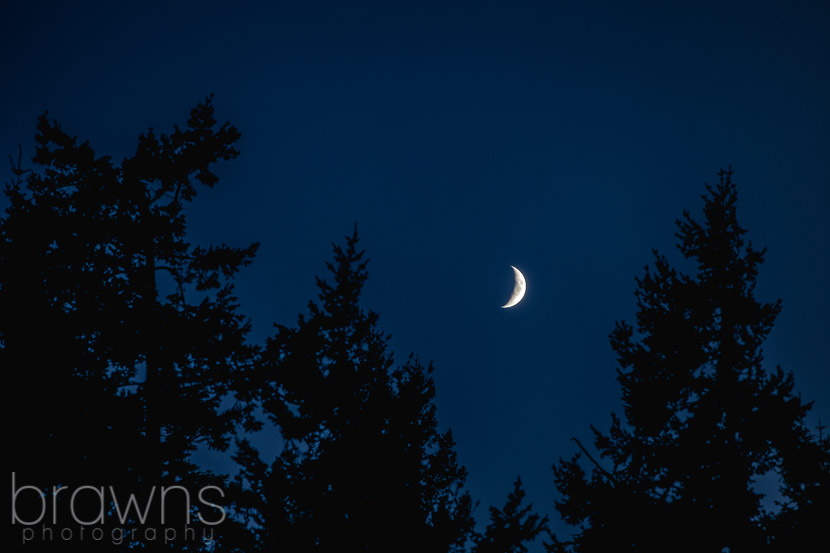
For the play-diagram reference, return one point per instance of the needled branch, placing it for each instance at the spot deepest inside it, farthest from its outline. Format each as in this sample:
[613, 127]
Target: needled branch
[601, 470]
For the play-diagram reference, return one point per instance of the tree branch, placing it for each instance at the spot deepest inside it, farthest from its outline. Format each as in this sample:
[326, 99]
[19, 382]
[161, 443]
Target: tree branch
[176, 276]
[602, 470]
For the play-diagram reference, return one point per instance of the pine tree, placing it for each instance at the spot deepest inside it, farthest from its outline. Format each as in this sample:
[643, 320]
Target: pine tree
[511, 527]
[364, 466]
[100, 284]
[703, 418]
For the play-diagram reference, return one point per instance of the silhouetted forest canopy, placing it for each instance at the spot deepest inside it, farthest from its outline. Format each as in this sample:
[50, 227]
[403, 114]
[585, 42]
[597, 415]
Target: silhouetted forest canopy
[125, 348]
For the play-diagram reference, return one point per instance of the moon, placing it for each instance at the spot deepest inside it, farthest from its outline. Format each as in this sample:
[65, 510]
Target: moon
[519, 289]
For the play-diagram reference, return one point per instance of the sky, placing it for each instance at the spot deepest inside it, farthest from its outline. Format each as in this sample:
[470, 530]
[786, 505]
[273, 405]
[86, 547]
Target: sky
[564, 138]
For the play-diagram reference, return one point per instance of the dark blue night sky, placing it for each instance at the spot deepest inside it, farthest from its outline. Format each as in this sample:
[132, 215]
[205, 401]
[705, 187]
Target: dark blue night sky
[562, 138]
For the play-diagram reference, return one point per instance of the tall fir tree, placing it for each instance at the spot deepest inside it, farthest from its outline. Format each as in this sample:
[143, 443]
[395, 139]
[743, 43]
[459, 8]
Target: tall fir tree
[703, 419]
[363, 466]
[512, 527]
[84, 310]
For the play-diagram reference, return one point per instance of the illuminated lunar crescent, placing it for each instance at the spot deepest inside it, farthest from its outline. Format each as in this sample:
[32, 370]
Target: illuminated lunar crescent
[519, 289]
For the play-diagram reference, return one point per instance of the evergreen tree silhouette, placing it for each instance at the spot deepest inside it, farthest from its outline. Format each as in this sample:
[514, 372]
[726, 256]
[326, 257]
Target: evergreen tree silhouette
[99, 282]
[511, 527]
[364, 466]
[702, 417]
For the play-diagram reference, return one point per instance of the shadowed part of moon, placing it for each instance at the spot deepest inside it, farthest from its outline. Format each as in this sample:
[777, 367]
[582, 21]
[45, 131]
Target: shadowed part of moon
[519, 289]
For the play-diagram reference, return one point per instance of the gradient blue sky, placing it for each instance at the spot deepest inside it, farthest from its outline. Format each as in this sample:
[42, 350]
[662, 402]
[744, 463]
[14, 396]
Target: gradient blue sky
[563, 138]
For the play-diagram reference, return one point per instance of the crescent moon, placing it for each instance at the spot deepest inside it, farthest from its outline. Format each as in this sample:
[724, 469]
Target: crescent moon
[519, 289]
